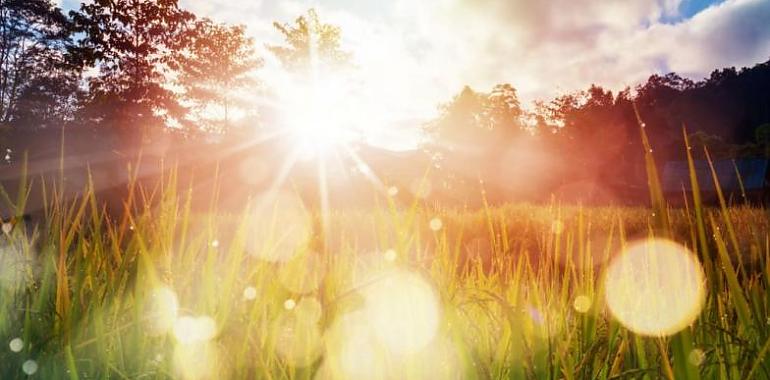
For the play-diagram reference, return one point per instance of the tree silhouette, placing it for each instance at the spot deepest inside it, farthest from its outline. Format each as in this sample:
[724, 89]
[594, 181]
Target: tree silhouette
[37, 82]
[216, 68]
[130, 43]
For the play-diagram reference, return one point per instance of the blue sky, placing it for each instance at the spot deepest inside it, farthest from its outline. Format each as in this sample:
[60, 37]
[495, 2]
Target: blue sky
[690, 7]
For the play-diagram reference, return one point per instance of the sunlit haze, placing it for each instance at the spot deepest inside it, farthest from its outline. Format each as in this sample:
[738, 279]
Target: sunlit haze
[430, 49]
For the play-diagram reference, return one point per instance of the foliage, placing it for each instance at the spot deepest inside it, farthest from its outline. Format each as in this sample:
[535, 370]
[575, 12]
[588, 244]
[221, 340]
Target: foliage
[83, 300]
[216, 68]
[479, 121]
[309, 42]
[37, 81]
[130, 43]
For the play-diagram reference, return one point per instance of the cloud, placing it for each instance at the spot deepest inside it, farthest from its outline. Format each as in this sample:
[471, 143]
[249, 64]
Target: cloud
[734, 33]
[544, 48]
[418, 54]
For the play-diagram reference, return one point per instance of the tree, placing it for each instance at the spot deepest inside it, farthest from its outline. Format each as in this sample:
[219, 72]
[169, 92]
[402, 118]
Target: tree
[483, 122]
[214, 70]
[473, 133]
[37, 81]
[309, 44]
[311, 55]
[597, 131]
[502, 112]
[762, 138]
[130, 43]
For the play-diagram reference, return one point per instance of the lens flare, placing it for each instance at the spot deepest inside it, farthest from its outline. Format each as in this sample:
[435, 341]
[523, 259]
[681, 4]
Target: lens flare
[421, 188]
[250, 293]
[655, 287]
[402, 310]
[14, 265]
[391, 255]
[195, 356]
[582, 304]
[16, 345]
[194, 329]
[352, 352]
[197, 361]
[436, 224]
[696, 357]
[557, 227]
[161, 310]
[280, 226]
[298, 336]
[29, 367]
[439, 360]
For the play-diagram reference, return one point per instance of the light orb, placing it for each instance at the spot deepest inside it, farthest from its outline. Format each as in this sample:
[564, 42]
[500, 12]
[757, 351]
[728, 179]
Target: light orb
[279, 227]
[198, 361]
[16, 345]
[582, 304]
[250, 293]
[390, 255]
[402, 310]
[352, 352]
[161, 310]
[557, 227]
[655, 287]
[298, 338]
[696, 357]
[29, 367]
[190, 330]
[436, 224]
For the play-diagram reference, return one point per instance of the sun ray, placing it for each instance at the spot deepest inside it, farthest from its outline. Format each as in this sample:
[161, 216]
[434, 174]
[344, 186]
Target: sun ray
[323, 193]
[283, 173]
[366, 170]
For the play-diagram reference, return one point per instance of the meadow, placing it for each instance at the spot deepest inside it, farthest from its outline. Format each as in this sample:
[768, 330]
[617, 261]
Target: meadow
[288, 239]
[519, 291]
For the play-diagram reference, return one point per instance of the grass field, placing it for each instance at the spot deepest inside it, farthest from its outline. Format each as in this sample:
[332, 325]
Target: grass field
[512, 292]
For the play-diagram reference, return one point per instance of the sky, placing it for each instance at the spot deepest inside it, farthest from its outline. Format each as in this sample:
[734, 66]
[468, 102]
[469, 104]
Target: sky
[417, 54]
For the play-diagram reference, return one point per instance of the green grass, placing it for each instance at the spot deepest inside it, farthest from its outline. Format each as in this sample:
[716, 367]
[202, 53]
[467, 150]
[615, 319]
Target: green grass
[80, 290]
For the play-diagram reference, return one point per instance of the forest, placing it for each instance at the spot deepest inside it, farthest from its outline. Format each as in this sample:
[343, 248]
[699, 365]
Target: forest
[121, 77]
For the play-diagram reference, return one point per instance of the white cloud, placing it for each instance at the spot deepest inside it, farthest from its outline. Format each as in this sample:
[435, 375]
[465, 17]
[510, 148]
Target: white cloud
[416, 54]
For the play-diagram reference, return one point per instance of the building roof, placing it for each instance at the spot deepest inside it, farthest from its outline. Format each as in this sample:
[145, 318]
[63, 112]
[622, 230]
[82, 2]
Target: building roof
[752, 172]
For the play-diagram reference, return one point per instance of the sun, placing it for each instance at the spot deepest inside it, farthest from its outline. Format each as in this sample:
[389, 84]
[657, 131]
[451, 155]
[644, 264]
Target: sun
[324, 115]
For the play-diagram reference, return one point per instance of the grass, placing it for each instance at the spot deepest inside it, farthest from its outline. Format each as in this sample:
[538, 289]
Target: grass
[512, 292]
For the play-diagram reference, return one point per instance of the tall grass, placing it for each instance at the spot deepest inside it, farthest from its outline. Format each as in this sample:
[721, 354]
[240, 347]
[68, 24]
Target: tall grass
[518, 290]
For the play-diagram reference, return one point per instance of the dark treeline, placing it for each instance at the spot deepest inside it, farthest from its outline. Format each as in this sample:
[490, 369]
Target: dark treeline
[128, 67]
[124, 74]
[589, 141]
